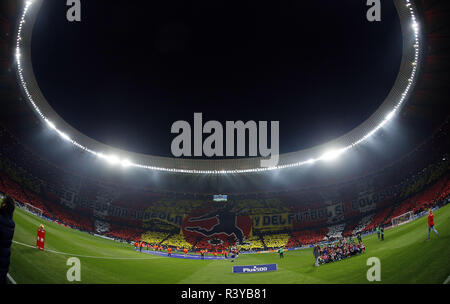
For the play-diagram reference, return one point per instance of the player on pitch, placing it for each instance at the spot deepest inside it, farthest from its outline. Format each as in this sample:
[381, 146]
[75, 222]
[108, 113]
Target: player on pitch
[233, 253]
[281, 252]
[431, 223]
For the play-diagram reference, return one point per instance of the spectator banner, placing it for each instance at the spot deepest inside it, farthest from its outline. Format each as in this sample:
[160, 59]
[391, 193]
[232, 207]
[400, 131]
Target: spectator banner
[273, 221]
[219, 225]
[255, 268]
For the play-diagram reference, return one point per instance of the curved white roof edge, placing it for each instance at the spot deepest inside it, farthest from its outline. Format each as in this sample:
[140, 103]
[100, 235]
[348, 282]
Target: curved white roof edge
[400, 92]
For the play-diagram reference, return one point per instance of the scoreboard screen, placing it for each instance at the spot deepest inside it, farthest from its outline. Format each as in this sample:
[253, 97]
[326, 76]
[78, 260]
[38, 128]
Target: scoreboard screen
[220, 198]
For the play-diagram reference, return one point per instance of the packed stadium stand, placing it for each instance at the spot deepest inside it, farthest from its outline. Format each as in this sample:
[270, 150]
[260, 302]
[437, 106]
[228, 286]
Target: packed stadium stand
[129, 213]
[276, 240]
[253, 243]
[154, 237]
[71, 218]
[335, 231]
[307, 237]
[177, 240]
[125, 233]
[360, 226]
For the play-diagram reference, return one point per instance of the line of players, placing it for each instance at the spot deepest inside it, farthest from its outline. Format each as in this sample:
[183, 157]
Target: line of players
[232, 252]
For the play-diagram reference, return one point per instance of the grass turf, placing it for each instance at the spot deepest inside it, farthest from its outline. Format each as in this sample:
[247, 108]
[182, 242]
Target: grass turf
[405, 255]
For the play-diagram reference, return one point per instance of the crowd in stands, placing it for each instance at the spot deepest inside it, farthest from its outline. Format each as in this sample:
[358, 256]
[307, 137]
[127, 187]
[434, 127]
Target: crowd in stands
[205, 244]
[101, 227]
[274, 241]
[378, 218]
[422, 200]
[22, 195]
[154, 237]
[335, 231]
[351, 227]
[359, 226]
[72, 219]
[177, 240]
[253, 243]
[124, 233]
[307, 237]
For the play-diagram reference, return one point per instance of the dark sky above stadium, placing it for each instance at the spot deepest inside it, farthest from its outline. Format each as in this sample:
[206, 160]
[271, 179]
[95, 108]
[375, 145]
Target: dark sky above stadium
[130, 69]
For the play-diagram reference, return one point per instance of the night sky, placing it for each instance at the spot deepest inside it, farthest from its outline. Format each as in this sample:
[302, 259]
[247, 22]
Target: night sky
[130, 69]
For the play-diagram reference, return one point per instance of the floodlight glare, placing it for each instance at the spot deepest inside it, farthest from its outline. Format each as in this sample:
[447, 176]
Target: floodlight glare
[112, 159]
[390, 115]
[331, 155]
[50, 124]
[64, 136]
[125, 163]
[310, 161]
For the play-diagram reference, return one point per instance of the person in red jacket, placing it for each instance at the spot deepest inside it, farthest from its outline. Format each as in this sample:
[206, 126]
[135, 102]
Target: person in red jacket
[40, 238]
[185, 250]
[169, 251]
[431, 223]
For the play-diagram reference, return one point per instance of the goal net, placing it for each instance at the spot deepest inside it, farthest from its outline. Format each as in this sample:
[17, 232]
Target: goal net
[403, 218]
[33, 209]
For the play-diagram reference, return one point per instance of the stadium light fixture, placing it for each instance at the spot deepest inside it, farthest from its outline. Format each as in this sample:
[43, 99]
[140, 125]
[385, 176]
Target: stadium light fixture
[310, 161]
[112, 159]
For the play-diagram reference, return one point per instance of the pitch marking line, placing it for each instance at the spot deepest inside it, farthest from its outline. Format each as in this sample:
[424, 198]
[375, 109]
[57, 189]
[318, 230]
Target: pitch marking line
[86, 256]
[447, 280]
[11, 279]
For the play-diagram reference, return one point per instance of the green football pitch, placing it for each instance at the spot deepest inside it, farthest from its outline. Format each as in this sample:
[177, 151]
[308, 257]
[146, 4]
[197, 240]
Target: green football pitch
[405, 256]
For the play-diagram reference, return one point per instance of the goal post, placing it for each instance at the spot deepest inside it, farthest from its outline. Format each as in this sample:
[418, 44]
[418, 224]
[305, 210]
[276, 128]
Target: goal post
[402, 219]
[33, 209]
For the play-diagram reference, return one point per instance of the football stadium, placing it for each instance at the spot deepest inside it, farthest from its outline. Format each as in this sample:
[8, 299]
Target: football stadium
[368, 205]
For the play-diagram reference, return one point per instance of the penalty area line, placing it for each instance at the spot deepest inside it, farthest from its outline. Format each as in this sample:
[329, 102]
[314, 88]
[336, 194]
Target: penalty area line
[86, 256]
[447, 280]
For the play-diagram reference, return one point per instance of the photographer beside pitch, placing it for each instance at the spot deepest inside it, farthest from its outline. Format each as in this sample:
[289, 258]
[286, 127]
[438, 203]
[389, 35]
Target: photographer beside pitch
[7, 226]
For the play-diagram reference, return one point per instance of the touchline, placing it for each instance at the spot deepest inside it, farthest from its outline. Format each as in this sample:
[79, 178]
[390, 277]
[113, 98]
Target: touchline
[213, 145]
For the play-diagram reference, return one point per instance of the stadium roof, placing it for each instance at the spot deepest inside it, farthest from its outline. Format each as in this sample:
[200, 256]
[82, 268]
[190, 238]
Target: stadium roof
[413, 54]
[424, 112]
